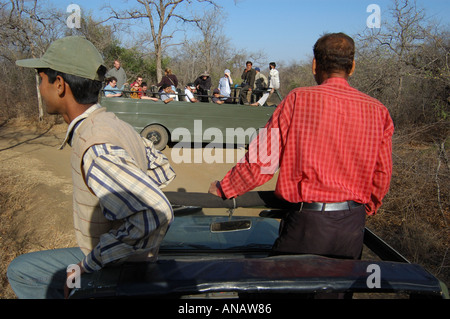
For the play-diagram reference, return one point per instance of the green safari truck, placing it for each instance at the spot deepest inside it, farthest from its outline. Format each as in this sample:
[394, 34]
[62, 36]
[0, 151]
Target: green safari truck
[180, 121]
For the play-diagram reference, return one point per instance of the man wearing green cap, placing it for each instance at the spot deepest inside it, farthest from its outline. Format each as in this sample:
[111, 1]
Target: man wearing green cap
[113, 221]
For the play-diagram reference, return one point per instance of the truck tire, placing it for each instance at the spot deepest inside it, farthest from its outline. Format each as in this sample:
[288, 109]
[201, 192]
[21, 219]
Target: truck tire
[157, 134]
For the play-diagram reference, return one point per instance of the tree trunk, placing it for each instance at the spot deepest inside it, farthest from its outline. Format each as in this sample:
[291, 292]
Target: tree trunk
[159, 71]
[39, 98]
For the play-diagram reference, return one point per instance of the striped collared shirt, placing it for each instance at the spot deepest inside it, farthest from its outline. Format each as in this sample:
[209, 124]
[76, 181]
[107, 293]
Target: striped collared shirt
[128, 195]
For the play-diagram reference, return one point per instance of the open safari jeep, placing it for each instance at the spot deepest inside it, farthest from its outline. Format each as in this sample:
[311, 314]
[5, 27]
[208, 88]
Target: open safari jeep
[180, 121]
[209, 252]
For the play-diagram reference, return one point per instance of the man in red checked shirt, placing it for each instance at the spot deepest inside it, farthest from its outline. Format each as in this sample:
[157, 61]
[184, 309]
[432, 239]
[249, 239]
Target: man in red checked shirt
[333, 147]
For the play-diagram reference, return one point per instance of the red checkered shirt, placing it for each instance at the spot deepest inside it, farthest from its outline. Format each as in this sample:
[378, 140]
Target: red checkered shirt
[331, 143]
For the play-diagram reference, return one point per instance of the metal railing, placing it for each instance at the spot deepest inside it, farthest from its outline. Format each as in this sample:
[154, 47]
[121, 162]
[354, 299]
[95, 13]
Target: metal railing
[153, 92]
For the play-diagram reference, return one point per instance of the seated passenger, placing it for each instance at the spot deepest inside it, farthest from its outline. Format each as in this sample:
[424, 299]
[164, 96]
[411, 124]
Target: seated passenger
[136, 91]
[144, 95]
[220, 99]
[111, 89]
[261, 84]
[225, 85]
[274, 84]
[166, 94]
[189, 91]
[203, 85]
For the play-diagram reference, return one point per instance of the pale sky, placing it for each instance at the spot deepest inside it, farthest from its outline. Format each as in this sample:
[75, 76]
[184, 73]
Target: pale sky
[286, 30]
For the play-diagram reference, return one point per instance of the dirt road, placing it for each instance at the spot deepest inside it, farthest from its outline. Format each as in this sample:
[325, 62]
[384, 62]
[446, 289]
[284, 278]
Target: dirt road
[36, 189]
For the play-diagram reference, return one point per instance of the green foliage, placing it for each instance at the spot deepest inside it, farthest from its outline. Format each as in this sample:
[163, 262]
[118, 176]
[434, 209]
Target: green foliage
[442, 110]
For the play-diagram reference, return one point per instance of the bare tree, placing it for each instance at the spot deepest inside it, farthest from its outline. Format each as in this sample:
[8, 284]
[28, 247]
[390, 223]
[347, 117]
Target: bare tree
[102, 36]
[159, 14]
[212, 53]
[398, 38]
[210, 26]
[25, 31]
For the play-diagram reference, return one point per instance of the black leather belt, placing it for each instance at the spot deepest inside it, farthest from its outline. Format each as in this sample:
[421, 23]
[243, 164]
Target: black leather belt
[329, 207]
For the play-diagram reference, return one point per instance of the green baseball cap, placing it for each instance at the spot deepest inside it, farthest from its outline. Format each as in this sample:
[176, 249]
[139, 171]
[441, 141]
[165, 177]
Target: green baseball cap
[72, 55]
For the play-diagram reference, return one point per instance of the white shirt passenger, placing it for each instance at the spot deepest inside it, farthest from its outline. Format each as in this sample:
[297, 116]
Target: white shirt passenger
[189, 95]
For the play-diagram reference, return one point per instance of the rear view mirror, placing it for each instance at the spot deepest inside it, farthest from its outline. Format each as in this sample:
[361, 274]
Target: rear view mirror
[232, 225]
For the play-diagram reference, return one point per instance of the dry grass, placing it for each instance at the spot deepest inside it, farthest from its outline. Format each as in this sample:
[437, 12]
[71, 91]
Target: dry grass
[25, 220]
[20, 233]
[11, 245]
[415, 215]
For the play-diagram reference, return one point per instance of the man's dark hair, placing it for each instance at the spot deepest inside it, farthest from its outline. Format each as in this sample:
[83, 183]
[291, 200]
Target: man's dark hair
[273, 64]
[334, 52]
[84, 91]
[113, 78]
